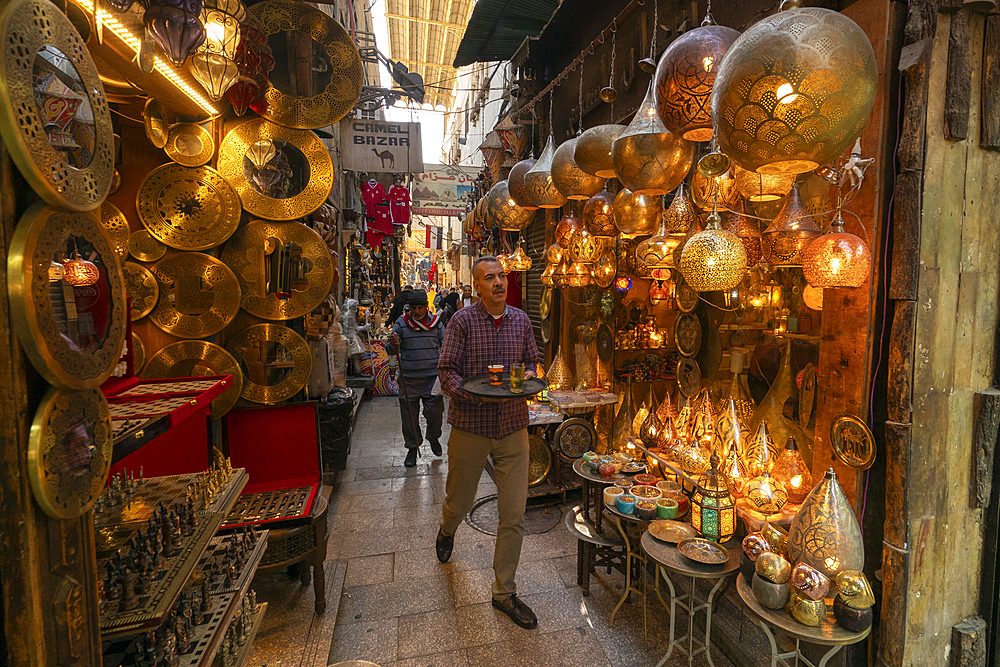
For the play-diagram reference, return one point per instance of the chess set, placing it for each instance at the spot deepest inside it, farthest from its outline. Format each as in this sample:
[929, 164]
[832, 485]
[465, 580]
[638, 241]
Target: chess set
[168, 387]
[131, 409]
[270, 506]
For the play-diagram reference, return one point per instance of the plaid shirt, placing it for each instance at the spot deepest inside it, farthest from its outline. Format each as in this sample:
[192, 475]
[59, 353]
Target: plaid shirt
[472, 342]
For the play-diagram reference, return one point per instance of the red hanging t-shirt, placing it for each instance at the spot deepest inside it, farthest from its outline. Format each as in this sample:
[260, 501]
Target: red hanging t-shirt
[382, 218]
[399, 202]
[372, 193]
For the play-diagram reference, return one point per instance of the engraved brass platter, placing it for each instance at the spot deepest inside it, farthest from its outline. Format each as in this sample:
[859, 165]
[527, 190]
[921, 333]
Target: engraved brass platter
[199, 295]
[156, 127]
[55, 119]
[144, 247]
[279, 173]
[197, 358]
[72, 335]
[114, 221]
[852, 441]
[539, 459]
[138, 354]
[69, 451]
[336, 74]
[276, 362]
[189, 144]
[141, 286]
[188, 208]
[249, 253]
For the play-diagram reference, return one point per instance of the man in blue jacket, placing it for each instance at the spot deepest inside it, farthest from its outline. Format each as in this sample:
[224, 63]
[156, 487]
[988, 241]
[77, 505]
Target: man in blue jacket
[417, 337]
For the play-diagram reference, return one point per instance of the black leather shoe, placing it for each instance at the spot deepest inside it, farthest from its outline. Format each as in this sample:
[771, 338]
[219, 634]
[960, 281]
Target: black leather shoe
[411, 458]
[519, 612]
[436, 448]
[444, 545]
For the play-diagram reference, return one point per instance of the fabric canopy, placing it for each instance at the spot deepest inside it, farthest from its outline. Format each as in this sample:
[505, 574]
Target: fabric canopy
[498, 27]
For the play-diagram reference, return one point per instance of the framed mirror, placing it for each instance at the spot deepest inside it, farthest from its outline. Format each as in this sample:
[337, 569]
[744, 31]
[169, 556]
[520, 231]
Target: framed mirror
[55, 122]
[67, 296]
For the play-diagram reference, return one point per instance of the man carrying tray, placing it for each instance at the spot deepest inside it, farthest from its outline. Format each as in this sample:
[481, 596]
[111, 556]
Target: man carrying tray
[488, 332]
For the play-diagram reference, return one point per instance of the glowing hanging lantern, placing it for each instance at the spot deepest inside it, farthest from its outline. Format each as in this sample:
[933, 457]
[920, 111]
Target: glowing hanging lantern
[794, 91]
[56, 271]
[554, 254]
[598, 215]
[789, 233]
[791, 470]
[837, 258]
[502, 258]
[515, 184]
[713, 510]
[684, 78]
[561, 272]
[762, 187]
[214, 63]
[648, 158]
[760, 452]
[578, 275]
[657, 252]
[584, 246]
[765, 494]
[710, 191]
[680, 214]
[593, 150]
[569, 179]
[538, 184]
[547, 275]
[567, 228]
[714, 259]
[746, 229]
[605, 269]
[623, 283]
[254, 61]
[519, 260]
[80, 272]
[635, 214]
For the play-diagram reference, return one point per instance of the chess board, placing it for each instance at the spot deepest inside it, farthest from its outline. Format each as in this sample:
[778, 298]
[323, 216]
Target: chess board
[247, 649]
[217, 548]
[170, 387]
[276, 505]
[122, 409]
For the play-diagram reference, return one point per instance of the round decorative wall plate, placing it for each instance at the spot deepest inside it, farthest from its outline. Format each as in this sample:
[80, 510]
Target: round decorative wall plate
[686, 298]
[189, 144]
[852, 441]
[276, 362]
[688, 377]
[69, 451]
[55, 119]
[144, 247]
[574, 437]
[78, 346]
[117, 227]
[546, 330]
[687, 334]
[279, 173]
[141, 286]
[152, 120]
[539, 459]
[255, 254]
[336, 67]
[545, 303]
[138, 354]
[197, 358]
[188, 208]
[199, 295]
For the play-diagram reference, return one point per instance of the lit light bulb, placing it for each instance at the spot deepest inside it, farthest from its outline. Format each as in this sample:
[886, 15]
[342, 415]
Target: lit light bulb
[707, 63]
[215, 31]
[786, 94]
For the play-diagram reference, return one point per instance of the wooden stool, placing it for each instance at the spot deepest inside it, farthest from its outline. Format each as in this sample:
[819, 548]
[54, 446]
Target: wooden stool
[304, 545]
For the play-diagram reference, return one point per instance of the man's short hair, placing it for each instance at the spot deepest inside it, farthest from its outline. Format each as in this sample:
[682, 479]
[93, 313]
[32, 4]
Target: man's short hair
[407, 287]
[483, 260]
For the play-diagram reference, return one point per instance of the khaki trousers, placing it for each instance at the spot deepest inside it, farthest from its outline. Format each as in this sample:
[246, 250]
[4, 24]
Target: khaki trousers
[467, 454]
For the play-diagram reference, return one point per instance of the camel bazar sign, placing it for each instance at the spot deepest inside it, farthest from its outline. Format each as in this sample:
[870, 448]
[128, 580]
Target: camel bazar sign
[381, 146]
[442, 190]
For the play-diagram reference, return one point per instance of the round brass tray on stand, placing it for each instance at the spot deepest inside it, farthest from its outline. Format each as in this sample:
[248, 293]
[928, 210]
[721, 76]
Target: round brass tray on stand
[539, 459]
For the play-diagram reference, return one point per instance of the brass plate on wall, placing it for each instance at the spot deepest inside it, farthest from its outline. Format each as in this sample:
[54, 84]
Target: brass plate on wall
[336, 65]
[117, 226]
[138, 354]
[539, 459]
[249, 254]
[57, 127]
[152, 120]
[276, 362]
[197, 358]
[144, 247]
[74, 347]
[688, 377]
[141, 286]
[545, 303]
[686, 298]
[69, 451]
[189, 144]
[199, 295]
[852, 441]
[258, 156]
[687, 334]
[188, 208]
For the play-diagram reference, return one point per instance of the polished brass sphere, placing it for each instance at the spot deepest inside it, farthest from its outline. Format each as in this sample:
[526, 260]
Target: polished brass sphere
[569, 179]
[593, 150]
[635, 214]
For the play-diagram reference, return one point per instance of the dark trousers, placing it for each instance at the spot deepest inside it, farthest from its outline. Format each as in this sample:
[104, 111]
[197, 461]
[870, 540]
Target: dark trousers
[411, 392]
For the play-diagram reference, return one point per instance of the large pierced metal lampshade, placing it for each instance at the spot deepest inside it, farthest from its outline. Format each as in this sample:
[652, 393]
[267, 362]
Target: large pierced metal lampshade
[680, 214]
[567, 228]
[684, 78]
[516, 187]
[648, 158]
[503, 212]
[762, 187]
[837, 258]
[794, 91]
[538, 181]
[569, 179]
[635, 214]
[714, 259]
[598, 216]
[593, 150]
[790, 233]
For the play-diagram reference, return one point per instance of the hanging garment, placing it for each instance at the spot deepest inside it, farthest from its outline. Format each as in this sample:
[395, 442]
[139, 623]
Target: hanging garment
[399, 203]
[372, 193]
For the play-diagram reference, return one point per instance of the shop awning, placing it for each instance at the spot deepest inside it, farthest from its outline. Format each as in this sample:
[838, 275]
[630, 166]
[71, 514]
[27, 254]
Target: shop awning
[497, 28]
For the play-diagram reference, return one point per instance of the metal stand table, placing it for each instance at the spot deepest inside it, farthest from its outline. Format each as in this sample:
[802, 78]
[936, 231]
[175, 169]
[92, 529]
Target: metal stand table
[594, 548]
[827, 634]
[593, 494]
[670, 560]
[635, 560]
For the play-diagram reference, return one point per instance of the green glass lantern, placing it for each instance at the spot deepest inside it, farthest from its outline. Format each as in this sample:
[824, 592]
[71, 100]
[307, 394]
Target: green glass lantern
[713, 510]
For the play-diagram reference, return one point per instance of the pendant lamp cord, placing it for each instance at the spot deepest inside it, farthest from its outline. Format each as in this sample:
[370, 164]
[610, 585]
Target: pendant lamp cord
[656, 25]
[579, 130]
[611, 83]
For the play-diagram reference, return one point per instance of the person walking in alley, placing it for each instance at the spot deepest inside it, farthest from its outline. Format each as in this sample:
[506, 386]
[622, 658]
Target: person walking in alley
[399, 303]
[416, 337]
[483, 333]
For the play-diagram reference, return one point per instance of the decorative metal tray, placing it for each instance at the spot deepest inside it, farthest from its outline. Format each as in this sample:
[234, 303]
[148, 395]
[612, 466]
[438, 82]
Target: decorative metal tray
[480, 386]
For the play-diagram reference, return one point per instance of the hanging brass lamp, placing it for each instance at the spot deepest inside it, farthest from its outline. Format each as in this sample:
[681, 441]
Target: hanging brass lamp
[598, 215]
[746, 229]
[516, 187]
[713, 260]
[605, 269]
[709, 191]
[578, 274]
[567, 229]
[561, 272]
[794, 91]
[593, 150]
[569, 179]
[679, 215]
[584, 246]
[214, 62]
[684, 78]
[503, 212]
[790, 233]
[635, 214]
[657, 252]
[837, 258]
[648, 158]
[762, 187]
[519, 260]
[538, 181]
[554, 253]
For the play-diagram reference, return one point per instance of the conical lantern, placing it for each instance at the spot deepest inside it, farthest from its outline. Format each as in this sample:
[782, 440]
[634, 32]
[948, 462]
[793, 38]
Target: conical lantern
[657, 252]
[680, 214]
[547, 277]
[762, 187]
[666, 411]
[704, 421]
[794, 91]
[538, 182]
[598, 215]
[790, 233]
[621, 428]
[515, 184]
[825, 533]
[683, 421]
[648, 158]
[746, 229]
[503, 212]
[714, 259]
[734, 470]
[569, 179]
[729, 430]
[635, 214]
[741, 401]
[519, 260]
[578, 274]
[771, 409]
[711, 191]
[567, 228]
[837, 258]
[593, 150]
[791, 470]
[640, 417]
[761, 452]
[765, 494]
[684, 78]
[559, 374]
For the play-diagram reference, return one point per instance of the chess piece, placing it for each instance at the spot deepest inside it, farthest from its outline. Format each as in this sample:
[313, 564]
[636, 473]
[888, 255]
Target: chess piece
[102, 598]
[129, 598]
[181, 632]
[230, 575]
[206, 601]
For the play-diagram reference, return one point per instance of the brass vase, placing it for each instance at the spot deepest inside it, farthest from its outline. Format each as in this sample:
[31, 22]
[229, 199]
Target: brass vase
[621, 428]
[825, 533]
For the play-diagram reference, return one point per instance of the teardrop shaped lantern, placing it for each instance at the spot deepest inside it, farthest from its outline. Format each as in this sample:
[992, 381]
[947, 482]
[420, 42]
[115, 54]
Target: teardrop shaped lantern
[561, 272]
[746, 229]
[680, 213]
[761, 452]
[709, 191]
[684, 78]
[605, 269]
[635, 214]
[791, 470]
[538, 182]
[714, 259]
[569, 179]
[593, 150]
[567, 229]
[578, 274]
[825, 533]
[657, 252]
[648, 158]
[559, 375]
[794, 91]
[762, 187]
[547, 275]
[649, 431]
[213, 64]
[176, 27]
[503, 212]
[790, 233]
[515, 184]
[837, 258]
[598, 215]
[519, 260]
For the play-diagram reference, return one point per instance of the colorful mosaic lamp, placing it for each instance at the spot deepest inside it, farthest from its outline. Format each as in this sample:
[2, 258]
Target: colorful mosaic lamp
[713, 510]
